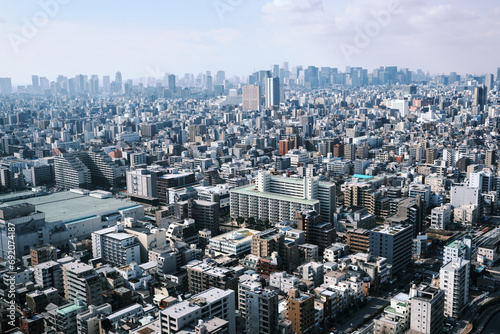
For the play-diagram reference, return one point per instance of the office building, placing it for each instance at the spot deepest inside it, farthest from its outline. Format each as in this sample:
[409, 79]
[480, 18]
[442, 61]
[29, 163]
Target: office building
[212, 303]
[171, 84]
[454, 280]
[251, 98]
[427, 309]
[394, 243]
[238, 242]
[81, 282]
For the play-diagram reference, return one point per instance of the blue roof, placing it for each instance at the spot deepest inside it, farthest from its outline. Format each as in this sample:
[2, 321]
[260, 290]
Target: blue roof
[359, 176]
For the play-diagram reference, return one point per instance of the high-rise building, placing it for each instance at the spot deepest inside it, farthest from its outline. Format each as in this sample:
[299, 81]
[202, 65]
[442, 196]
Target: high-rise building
[81, 282]
[430, 155]
[489, 81]
[171, 83]
[5, 86]
[289, 195]
[480, 97]
[427, 309]
[350, 152]
[358, 240]
[394, 243]
[300, 311]
[251, 97]
[261, 311]
[205, 214]
[272, 93]
[490, 159]
[35, 83]
[454, 280]
[208, 305]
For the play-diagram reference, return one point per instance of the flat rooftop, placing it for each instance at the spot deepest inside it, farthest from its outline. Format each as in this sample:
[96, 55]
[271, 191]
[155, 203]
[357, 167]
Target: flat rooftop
[252, 190]
[68, 206]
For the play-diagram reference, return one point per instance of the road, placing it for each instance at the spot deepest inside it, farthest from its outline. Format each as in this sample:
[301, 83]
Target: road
[373, 305]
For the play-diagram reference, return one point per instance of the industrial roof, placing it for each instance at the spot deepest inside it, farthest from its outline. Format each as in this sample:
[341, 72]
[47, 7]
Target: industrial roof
[67, 206]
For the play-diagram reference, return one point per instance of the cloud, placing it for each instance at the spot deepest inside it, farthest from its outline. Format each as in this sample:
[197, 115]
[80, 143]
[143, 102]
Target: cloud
[436, 37]
[293, 6]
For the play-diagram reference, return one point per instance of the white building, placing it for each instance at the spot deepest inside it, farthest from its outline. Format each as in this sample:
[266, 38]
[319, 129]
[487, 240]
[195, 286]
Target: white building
[142, 184]
[427, 304]
[237, 242]
[278, 198]
[283, 281]
[458, 249]
[115, 247]
[455, 282]
[396, 317]
[441, 217]
[213, 302]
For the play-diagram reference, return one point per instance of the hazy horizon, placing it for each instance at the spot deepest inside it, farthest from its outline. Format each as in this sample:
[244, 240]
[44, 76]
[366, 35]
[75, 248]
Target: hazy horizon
[52, 37]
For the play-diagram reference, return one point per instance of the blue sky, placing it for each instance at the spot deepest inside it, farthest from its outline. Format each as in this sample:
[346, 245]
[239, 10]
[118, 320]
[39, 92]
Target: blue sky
[150, 37]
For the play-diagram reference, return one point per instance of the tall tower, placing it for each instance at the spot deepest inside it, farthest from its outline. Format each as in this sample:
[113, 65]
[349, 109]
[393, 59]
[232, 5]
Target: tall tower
[272, 92]
[171, 83]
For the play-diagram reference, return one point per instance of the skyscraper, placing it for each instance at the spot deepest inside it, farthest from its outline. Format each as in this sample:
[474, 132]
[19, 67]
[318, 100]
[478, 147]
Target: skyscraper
[171, 83]
[489, 81]
[480, 97]
[118, 78]
[5, 86]
[35, 83]
[272, 92]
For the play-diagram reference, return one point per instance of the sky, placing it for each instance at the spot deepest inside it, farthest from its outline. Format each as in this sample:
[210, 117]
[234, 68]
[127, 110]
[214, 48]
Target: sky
[153, 37]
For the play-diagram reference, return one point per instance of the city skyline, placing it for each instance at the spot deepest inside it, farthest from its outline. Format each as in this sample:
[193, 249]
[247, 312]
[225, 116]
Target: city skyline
[240, 36]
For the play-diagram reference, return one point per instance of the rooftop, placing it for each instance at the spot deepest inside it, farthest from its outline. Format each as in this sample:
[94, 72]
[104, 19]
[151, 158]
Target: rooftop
[69, 206]
[252, 190]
